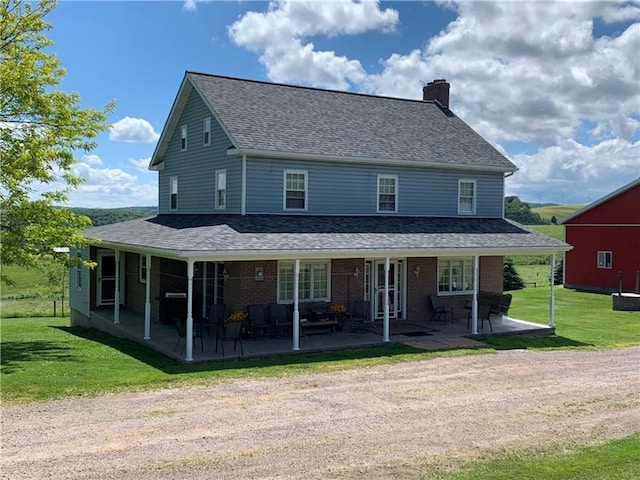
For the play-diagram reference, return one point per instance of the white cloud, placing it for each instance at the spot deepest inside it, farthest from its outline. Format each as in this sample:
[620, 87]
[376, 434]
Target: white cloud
[189, 5]
[141, 164]
[92, 159]
[279, 35]
[133, 130]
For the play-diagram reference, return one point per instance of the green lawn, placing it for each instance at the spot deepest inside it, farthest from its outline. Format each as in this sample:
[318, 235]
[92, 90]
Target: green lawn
[32, 294]
[615, 460]
[44, 358]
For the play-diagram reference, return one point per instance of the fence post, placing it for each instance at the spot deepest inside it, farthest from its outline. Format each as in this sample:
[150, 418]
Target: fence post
[54, 308]
[619, 283]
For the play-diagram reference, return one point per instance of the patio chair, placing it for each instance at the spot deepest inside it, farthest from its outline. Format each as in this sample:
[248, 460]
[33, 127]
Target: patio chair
[280, 317]
[359, 314]
[215, 320]
[258, 318]
[439, 310]
[231, 331]
[181, 330]
[484, 313]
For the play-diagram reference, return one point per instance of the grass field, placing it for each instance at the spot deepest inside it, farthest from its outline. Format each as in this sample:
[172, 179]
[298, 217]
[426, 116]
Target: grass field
[32, 294]
[558, 211]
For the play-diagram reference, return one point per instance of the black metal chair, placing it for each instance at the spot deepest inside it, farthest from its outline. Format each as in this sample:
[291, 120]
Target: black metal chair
[281, 318]
[231, 331]
[181, 330]
[439, 310]
[359, 314]
[215, 320]
[484, 313]
[258, 318]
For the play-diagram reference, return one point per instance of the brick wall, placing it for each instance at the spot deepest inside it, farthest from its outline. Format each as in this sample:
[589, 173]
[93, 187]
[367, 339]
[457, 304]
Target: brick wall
[242, 288]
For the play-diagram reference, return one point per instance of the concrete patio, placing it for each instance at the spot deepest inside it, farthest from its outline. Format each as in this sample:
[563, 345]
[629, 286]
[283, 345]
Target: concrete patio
[432, 336]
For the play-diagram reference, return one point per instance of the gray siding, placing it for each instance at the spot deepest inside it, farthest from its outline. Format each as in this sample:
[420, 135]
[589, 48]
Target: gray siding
[195, 167]
[341, 189]
[79, 298]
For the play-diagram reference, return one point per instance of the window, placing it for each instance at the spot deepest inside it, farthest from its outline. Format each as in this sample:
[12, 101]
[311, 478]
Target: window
[455, 275]
[313, 283]
[206, 128]
[142, 270]
[466, 197]
[221, 188]
[604, 259]
[183, 138]
[387, 193]
[173, 193]
[79, 271]
[295, 190]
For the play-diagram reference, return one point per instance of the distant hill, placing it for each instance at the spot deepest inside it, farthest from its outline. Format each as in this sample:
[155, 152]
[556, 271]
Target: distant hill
[558, 211]
[105, 216]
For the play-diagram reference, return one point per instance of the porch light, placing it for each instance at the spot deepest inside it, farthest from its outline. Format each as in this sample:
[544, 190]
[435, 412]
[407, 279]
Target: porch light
[356, 272]
[416, 271]
[225, 274]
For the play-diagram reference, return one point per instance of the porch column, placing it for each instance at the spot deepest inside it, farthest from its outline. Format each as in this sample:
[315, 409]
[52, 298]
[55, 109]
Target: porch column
[296, 312]
[385, 324]
[189, 334]
[476, 287]
[552, 293]
[116, 294]
[147, 301]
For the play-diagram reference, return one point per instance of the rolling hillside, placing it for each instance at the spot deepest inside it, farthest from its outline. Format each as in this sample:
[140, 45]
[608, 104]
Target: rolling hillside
[558, 211]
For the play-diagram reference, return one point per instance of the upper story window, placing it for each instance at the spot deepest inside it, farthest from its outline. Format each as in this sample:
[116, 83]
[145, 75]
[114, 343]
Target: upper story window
[206, 129]
[183, 138]
[142, 270]
[387, 193]
[313, 284]
[466, 197]
[221, 188]
[455, 275]
[295, 190]
[604, 259]
[173, 193]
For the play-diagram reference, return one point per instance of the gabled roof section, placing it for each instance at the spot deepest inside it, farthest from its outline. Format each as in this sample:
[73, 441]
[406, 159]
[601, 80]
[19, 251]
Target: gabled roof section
[284, 121]
[600, 201]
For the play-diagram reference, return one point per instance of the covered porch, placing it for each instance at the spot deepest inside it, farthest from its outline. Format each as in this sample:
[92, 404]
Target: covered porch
[393, 264]
[435, 335]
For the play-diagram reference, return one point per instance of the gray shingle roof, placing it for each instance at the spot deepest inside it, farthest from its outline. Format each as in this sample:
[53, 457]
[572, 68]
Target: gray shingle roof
[278, 235]
[280, 118]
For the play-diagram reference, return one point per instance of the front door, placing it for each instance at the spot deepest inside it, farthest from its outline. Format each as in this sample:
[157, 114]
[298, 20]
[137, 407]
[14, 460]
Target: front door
[106, 273]
[395, 288]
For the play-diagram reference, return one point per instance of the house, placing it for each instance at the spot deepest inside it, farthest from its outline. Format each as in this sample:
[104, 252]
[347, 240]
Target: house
[606, 242]
[272, 193]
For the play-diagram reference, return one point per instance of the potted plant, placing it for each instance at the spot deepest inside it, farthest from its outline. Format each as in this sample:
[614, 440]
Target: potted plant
[340, 312]
[241, 317]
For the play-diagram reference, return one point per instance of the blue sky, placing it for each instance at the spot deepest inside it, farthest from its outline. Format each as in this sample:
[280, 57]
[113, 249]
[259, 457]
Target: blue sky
[554, 85]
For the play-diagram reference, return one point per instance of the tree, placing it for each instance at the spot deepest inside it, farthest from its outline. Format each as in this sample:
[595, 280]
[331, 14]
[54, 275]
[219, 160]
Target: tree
[41, 130]
[515, 209]
[558, 273]
[511, 279]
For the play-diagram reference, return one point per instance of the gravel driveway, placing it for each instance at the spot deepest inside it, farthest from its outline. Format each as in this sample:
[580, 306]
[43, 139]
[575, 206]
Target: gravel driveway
[397, 421]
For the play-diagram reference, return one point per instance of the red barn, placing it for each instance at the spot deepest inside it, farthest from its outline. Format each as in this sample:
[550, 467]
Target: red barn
[606, 242]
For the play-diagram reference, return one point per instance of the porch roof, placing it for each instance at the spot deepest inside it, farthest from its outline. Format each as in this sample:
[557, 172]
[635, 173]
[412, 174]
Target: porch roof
[238, 237]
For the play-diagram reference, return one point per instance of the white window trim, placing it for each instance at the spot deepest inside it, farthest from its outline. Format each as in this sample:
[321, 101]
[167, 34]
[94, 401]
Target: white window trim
[142, 268]
[456, 292]
[603, 265]
[183, 138]
[288, 263]
[395, 179]
[206, 128]
[217, 204]
[475, 195]
[306, 190]
[173, 181]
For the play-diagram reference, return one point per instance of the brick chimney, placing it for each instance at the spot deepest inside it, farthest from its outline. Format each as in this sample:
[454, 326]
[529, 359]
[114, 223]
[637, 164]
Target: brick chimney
[437, 90]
